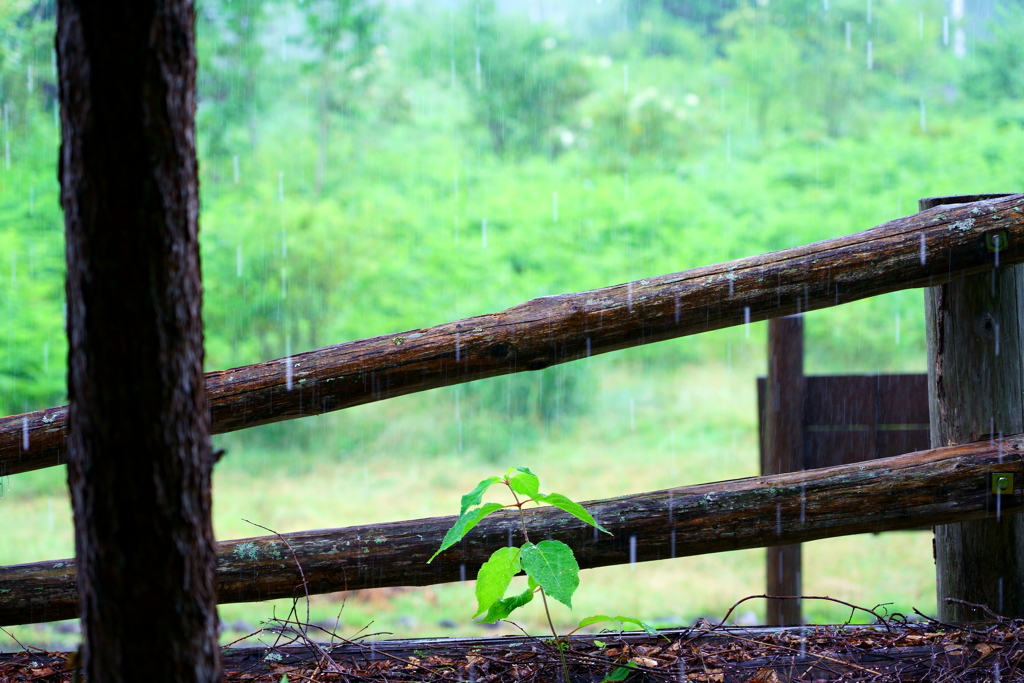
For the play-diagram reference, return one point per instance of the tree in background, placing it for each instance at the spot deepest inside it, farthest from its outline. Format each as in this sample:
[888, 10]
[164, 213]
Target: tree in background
[998, 70]
[231, 59]
[139, 455]
[522, 82]
[344, 36]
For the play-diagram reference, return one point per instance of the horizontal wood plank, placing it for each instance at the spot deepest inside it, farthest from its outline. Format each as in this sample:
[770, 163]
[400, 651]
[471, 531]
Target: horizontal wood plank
[908, 491]
[923, 250]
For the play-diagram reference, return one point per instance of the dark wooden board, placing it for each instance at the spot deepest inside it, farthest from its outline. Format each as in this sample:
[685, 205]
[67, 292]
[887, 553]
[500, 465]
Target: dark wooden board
[908, 491]
[923, 250]
[852, 418]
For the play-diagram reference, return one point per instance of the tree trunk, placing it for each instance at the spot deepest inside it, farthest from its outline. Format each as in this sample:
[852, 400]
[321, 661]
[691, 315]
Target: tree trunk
[139, 451]
[784, 428]
[975, 384]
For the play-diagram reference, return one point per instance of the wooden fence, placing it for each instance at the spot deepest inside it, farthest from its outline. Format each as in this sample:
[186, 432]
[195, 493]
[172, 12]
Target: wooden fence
[937, 486]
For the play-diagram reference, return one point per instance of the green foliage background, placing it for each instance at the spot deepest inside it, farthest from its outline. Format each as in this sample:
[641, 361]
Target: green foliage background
[367, 169]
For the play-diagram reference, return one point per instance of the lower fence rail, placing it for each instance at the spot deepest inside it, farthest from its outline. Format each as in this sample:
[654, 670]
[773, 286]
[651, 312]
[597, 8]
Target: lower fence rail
[938, 486]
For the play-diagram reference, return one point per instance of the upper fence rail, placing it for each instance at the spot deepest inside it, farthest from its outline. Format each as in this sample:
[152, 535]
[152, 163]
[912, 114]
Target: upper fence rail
[927, 249]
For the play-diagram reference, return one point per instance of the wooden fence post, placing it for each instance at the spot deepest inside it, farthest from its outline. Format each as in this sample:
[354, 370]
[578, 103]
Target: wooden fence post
[975, 384]
[784, 426]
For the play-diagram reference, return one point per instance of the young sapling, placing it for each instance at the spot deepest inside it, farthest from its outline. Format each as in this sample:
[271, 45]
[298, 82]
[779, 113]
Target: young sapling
[550, 566]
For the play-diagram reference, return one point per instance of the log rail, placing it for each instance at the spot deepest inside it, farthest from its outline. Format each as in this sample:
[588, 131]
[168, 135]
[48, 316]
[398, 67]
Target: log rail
[927, 249]
[903, 492]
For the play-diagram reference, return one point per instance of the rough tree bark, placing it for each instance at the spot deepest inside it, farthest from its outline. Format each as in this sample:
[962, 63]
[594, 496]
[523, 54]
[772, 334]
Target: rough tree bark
[975, 385]
[139, 449]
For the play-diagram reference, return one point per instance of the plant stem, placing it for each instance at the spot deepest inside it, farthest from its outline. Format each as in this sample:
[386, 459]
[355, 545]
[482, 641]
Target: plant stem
[543, 595]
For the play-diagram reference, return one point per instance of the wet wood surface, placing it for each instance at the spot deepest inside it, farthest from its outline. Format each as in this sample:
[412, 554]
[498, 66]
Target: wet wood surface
[976, 385]
[903, 492]
[923, 250]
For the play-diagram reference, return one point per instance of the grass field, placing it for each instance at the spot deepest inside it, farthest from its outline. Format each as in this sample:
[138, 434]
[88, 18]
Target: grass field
[640, 425]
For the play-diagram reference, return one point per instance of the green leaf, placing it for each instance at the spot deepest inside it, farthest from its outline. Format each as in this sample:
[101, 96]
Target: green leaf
[600, 643]
[523, 481]
[465, 522]
[476, 495]
[620, 673]
[574, 509]
[552, 565]
[532, 584]
[494, 577]
[502, 608]
[598, 618]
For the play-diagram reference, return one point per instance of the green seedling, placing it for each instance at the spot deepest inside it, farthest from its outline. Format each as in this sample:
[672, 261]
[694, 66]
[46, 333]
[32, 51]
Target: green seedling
[550, 566]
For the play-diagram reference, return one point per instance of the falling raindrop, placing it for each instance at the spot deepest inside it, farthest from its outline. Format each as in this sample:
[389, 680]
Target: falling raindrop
[462, 572]
[924, 122]
[479, 73]
[632, 552]
[234, 164]
[46, 357]
[869, 11]
[826, 5]
[588, 347]
[778, 519]
[483, 233]
[458, 348]
[288, 362]
[871, 57]
[510, 537]
[679, 310]
[238, 261]
[849, 36]
[24, 433]
[923, 251]
[629, 296]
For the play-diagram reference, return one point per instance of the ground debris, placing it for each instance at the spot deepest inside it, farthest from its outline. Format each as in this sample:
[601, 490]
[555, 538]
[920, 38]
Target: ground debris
[890, 652]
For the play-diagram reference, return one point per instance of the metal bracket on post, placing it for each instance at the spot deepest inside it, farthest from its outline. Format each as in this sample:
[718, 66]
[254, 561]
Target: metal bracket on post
[1001, 483]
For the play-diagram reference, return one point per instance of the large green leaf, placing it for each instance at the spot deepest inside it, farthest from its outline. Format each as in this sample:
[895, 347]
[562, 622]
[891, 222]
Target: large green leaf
[523, 481]
[466, 521]
[494, 577]
[552, 565]
[476, 495]
[598, 618]
[574, 509]
[503, 608]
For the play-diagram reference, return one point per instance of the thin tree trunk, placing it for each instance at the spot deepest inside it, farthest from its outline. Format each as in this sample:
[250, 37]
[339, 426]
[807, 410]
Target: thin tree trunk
[139, 451]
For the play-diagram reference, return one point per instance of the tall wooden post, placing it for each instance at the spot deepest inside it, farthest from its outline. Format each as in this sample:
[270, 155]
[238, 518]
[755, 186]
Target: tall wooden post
[784, 426]
[975, 385]
[139, 453]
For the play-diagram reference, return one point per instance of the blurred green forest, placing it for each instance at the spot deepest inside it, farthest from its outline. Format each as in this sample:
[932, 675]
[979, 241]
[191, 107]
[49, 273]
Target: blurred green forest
[369, 168]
